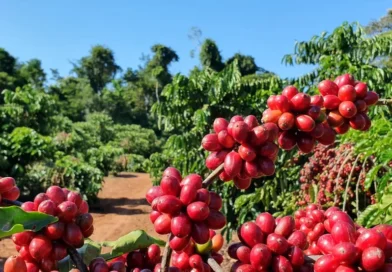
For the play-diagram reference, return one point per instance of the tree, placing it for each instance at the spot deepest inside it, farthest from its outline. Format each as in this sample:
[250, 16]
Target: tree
[130, 76]
[29, 107]
[99, 67]
[246, 64]
[382, 27]
[210, 55]
[33, 73]
[74, 96]
[7, 62]
[153, 75]
[158, 66]
[126, 104]
[7, 70]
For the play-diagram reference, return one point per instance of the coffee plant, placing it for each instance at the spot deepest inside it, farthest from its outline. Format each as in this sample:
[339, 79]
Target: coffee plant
[333, 176]
[182, 207]
[190, 104]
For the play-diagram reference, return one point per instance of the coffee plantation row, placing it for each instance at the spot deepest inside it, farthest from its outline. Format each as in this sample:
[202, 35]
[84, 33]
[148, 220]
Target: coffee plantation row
[48, 230]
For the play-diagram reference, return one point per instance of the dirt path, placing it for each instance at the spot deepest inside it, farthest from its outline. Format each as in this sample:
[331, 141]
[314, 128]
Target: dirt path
[122, 208]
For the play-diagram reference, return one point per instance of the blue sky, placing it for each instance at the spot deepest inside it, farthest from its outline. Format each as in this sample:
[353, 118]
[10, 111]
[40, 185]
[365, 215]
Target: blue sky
[58, 32]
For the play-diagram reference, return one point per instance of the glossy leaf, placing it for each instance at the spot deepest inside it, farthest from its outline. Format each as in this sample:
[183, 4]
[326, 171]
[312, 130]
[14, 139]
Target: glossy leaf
[14, 220]
[134, 240]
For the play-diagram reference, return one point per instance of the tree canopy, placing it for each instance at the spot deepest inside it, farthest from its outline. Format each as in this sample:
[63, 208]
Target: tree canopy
[99, 67]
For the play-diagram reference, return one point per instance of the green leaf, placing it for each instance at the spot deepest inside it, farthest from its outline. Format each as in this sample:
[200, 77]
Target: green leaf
[371, 176]
[386, 201]
[134, 240]
[369, 216]
[14, 220]
[313, 193]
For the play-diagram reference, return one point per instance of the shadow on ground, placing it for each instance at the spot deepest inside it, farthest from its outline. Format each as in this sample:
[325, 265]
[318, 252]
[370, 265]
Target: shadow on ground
[119, 206]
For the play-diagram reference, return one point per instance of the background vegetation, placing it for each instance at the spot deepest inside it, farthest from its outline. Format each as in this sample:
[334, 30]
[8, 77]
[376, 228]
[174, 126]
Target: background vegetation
[101, 118]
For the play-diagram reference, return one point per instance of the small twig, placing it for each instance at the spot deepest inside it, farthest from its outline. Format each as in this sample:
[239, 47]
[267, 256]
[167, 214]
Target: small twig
[357, 187]
[214, 265]
[312, 258]
[11, 202]
[76, 259]
[383, 102]
[338, 176]
[212, 176]
[166, 255]
[348, 182]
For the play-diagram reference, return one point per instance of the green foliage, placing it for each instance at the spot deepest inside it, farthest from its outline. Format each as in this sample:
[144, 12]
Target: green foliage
[99, 67]
[25, 144]
[27, 107]
[70, 133]
[84, 126]
[187, 110]
[246, 64]
[134, 240]
[130, 76]
[75, 97]
[190, 104]
[103, 124]
[137, 239]
[381, 212]
[135, 139]
[7, 62]
[384, 24]
[383, 28]
[14, 74]
[130, 163]
[14, 220]
[103, 157]
[346, 50]
[76, 174]
[76, 157]
[125, 104]
[210, 56]
[6, 81]
[371, 145]
[33, 73]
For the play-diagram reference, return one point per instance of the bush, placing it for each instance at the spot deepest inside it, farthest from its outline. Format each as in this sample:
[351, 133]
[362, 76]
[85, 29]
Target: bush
[130, 163]
[21, 147]
[136, 140]
[74, 173]
[103, 157]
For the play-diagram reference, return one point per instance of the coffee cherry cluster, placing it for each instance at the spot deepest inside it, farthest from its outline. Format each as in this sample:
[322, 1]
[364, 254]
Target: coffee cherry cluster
[184, 209]
[267, 245]
[145, 260]
[346, 102]
[8, 189]
[300, 118]
[281, 244]
[345, 246]
[322, 170]
[310, 224]
[41, 250]
[245, 147]
[195, 256]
